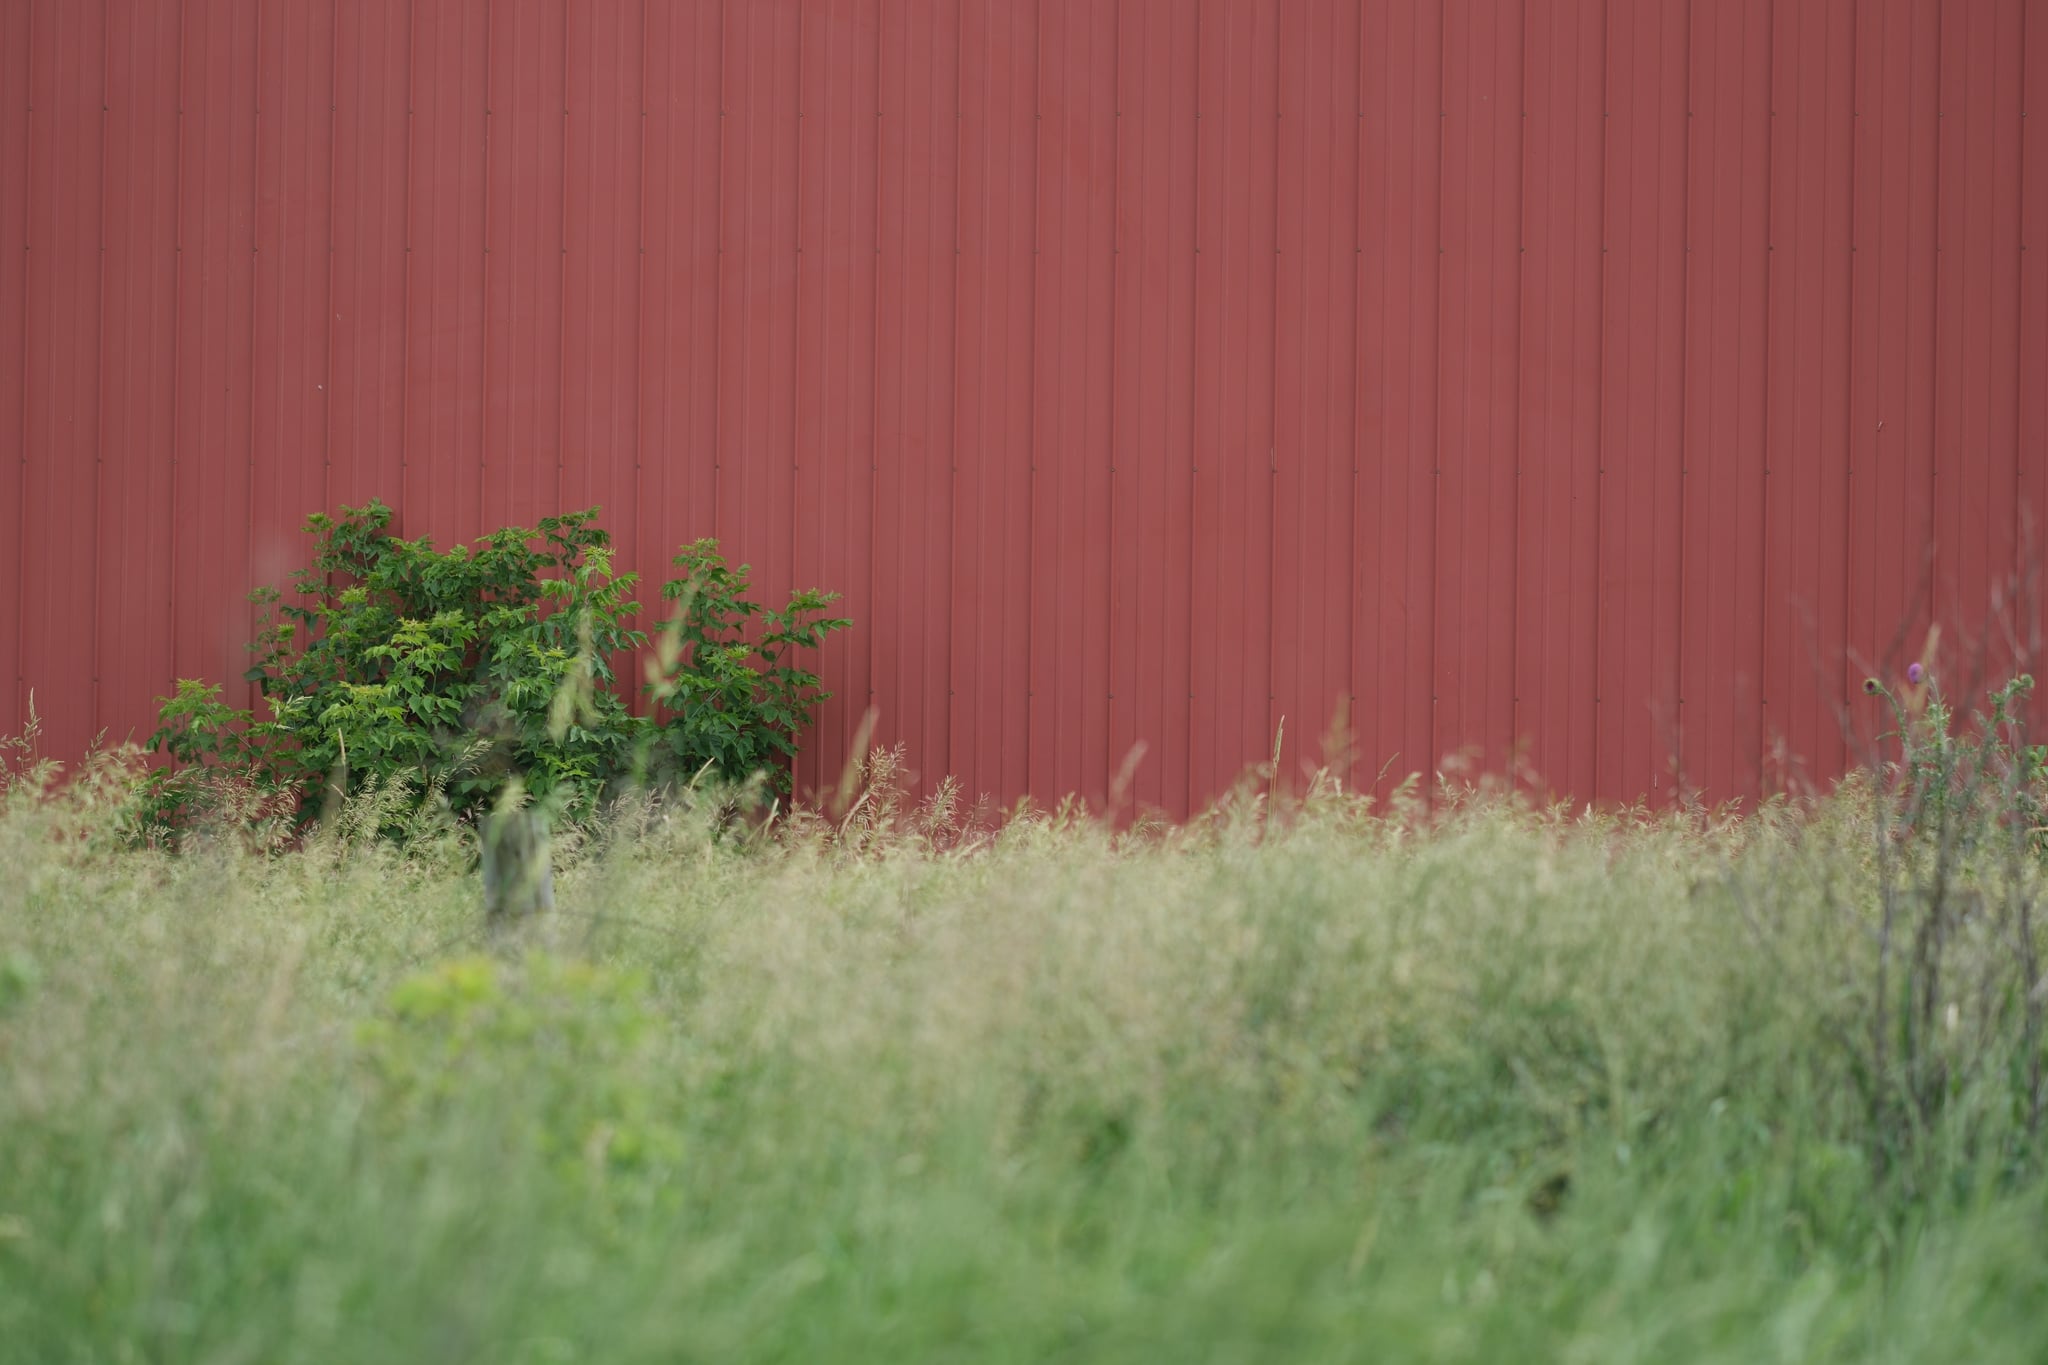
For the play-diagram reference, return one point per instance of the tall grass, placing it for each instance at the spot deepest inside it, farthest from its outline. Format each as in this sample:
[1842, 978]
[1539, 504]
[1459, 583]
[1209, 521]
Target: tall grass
[1490, 1085]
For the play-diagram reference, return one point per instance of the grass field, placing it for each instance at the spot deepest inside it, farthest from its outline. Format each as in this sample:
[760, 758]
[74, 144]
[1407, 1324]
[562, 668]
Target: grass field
[1495, 1087]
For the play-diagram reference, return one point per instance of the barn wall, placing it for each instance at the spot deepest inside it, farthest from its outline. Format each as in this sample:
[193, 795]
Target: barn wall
[1603, 385]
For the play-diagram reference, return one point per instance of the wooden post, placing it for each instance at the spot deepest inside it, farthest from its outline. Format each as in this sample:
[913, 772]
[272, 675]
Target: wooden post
[519, 874]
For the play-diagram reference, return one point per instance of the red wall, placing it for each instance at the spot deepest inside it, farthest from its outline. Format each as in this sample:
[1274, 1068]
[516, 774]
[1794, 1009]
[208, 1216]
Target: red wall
[1610, 378]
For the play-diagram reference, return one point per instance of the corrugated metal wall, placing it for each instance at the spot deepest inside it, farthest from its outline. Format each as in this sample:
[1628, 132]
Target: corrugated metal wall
[1603, 377]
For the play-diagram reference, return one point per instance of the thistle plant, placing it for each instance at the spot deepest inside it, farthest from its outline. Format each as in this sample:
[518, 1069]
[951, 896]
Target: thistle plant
[1956, 1003]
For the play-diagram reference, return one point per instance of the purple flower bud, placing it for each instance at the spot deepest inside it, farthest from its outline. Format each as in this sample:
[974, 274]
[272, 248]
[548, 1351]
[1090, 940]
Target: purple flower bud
[1914, 672]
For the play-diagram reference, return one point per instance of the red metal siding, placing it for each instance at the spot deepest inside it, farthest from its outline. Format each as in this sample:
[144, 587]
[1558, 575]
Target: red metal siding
[1557, 575]
[995, 254]
[1152, 546]
[295, 127]
[445, 271]
[1236, 148]
[1599, 387]
[133, 536]
[1072, 400]
[525, 202]
[909, 631]
[60, 362]
[1806, 385]
[1315, 366]
[1395, 527]
[835, 359]
[1478, 316]
[1642, 401]
[2033, 357]
[1891, 332]
[1976, 315]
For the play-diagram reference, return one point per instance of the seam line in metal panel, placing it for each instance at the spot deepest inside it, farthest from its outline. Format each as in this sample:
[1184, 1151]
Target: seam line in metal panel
[1357, 672]
[1684, 390]
[1934, 556]
[640, 553]
[1436, 492]
[718, 284]
[333, 163]
[483, 426]
[1344, 709]
[1031, 409]
[1109, 582]
[867, 629]
[796, 327]
[1268, 740]
[1763, 606]
[99, 456]
[795, 320]
[406, 515]
[28, 153]
[1521, 267]
[1031, 412]
[953, 627]
[562, 302]
[28, 145]
[170, 585]
[1849, 391]
[255, 291]
[1194, 414]
[2022, 656]
[953, 622]
[1592, 792]
[1352, 719]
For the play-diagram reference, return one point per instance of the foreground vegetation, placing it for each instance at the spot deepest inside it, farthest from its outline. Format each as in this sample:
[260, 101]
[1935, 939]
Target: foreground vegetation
[1489, 1085]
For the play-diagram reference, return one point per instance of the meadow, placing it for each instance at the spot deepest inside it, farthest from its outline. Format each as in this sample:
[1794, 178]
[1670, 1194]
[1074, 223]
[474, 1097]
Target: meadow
[1335, 1082]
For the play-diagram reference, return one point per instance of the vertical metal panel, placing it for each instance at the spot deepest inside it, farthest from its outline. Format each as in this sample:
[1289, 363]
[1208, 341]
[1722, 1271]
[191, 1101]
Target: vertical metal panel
[601, 263]
[524, 200]
[215, 343]
[1976, 332]
[294, 231]
[602, 268]
[1144, 372]
[1891, 344]
[1151, 531]
[1400, 214]
[61, 376]
[1558, 538]
[917, 160]
[134, 567]
[2033, 393]
[1072, 401]
[1236, 192]
[757, 300]
[1727, 245]
[1642, 402]
[1807, 389]
[1315, 362]
[366, 342]
[1477, 453]
[444, 296]
[16, 167]
[677, 428]
[836, 356]
[992, 488]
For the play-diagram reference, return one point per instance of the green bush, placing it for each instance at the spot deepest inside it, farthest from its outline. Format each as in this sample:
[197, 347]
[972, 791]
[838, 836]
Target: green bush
[444, 675]
[725, 700]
